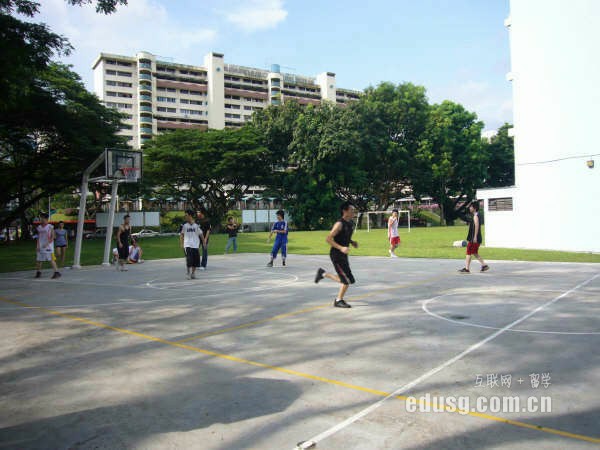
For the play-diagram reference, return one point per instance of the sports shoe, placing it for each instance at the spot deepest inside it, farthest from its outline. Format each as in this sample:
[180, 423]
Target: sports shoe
[319, 276]
[202, 268]
[464, 270]
[38, 274]
[187, 275]
[270, 264]
[193, 276]
[283, 263]
[485, 268]
[341, 304]
[56, 275]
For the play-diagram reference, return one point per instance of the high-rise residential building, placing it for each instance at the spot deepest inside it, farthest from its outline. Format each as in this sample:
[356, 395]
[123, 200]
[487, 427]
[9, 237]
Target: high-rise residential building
[157, 95]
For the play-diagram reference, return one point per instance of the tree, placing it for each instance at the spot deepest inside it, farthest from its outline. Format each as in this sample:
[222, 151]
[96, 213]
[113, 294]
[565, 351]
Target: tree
[58, 129]
[390, 121]
[451, 160]
[327, 156]
[50, 126]
[206, 168]
[501, 153]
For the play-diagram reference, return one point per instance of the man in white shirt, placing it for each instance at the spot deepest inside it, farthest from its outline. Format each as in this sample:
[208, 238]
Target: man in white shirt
[189, 239]
[45, 247]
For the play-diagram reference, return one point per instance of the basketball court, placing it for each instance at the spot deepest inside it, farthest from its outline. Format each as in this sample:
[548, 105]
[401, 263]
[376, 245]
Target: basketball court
[250, 357]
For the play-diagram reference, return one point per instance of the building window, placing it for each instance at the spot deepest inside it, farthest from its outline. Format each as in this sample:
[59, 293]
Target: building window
[196, 93]
[500, 204]
[165, 99]
[124, 74]
[184, 91]
[111, 72]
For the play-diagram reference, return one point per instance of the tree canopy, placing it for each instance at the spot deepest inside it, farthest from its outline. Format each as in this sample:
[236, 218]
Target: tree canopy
[206, 168]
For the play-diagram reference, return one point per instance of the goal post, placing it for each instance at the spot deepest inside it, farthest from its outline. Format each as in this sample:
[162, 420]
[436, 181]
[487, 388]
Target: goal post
[378, 219]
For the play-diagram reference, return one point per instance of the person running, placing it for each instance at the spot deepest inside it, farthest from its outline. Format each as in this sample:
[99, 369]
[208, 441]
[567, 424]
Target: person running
[190, 240]
[135, 253]
[206, 229]
[45, 247]
[123, 234]
[232, 231]
[280, 229]
[61, 243]
[393, 235]
[474, 240]
[340, 239]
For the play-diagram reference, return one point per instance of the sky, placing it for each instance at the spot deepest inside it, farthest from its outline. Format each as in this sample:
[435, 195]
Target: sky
[457, 49]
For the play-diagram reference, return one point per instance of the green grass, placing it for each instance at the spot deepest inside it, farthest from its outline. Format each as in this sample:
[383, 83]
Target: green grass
[433, 242]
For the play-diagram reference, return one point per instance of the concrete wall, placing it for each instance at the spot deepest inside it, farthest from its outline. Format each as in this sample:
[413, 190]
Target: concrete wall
[556, 93]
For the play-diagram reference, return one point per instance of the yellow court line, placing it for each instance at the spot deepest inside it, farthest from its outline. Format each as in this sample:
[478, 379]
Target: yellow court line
[303, 311]
[293, 372]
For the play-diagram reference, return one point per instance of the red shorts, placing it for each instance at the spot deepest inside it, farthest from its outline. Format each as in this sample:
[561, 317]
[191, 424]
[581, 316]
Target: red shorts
[395, 240]
[472, 248]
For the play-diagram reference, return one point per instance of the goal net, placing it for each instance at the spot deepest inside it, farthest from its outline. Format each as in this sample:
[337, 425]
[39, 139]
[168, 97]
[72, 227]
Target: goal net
[375, 220]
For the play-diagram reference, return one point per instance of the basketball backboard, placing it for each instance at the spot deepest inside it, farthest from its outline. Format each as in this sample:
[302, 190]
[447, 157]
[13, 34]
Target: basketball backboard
[123, 165]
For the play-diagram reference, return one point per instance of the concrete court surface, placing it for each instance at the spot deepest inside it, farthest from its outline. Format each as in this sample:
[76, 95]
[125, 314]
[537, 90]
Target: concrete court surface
[250, 357]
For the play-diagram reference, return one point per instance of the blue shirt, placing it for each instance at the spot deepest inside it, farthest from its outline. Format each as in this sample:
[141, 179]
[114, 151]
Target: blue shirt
[278, 226]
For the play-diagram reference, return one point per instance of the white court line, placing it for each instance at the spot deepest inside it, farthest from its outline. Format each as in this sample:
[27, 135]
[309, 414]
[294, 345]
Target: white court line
[476, 325]
[349, 421]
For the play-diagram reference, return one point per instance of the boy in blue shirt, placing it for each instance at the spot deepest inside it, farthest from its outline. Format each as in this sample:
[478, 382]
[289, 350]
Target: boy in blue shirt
[280, 228]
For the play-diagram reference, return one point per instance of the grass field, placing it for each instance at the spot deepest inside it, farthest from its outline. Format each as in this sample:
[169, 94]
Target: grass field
[434, 242]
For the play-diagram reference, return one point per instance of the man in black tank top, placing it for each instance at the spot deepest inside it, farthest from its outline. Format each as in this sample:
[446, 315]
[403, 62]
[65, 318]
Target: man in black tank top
[340, 240]
[474, 240]
[123, 243]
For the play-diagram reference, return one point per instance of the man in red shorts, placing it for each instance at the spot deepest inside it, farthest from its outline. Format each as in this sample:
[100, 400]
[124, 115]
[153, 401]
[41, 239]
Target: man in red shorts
[474, 240]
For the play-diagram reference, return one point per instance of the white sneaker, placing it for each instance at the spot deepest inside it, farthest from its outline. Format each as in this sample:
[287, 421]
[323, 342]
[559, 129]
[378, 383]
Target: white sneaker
[202, 268]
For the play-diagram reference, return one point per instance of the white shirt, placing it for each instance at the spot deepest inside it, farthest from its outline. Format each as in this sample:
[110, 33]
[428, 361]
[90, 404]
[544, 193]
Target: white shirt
[191, 235]
[393, 227]
[134, 253]
[45, 241]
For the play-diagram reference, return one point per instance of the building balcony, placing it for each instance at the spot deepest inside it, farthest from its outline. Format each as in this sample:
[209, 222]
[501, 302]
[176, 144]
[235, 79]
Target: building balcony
[146, 98]
[145, 76]
[145, 87]
[146, 108]
[145, 130]
[146, 119]
[145, 65]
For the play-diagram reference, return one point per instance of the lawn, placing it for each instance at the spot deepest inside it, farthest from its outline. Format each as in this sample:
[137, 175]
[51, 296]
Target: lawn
[434, 242]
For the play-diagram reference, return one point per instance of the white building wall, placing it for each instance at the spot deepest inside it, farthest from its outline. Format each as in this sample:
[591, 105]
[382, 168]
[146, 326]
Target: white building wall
[216, 90]
[556, 93]
[328, 88]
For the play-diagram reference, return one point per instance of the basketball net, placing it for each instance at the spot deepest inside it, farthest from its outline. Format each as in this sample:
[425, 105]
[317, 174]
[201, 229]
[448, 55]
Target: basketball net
[130, 174]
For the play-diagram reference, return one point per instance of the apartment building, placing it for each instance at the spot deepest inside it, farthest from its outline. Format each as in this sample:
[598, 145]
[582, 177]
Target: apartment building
[158, 96]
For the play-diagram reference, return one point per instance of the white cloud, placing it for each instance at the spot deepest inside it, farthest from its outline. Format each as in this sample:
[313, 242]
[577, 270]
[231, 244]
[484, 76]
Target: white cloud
[492, 105]
[255, 15]
[141, 25]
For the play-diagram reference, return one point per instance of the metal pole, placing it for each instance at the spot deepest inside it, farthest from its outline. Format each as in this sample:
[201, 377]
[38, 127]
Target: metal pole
[409, 220]
[111, 222]
[81, 214]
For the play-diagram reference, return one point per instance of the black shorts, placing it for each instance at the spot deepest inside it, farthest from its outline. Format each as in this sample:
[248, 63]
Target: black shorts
[192, 257]
[123, 252]
[342, 267]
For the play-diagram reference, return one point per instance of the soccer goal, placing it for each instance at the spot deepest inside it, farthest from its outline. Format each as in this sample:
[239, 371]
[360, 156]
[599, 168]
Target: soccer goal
[368, 220]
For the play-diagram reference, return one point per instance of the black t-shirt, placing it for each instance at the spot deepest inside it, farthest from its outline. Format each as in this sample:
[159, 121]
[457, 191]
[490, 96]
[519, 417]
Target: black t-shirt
[344, 237]
[232, 229]
[205, 225]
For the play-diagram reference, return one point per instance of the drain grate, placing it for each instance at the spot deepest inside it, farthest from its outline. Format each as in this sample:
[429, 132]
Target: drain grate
[458, 317]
